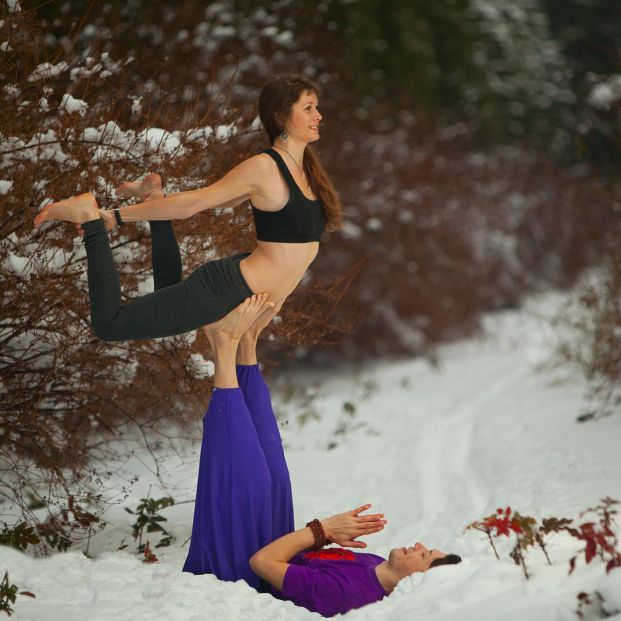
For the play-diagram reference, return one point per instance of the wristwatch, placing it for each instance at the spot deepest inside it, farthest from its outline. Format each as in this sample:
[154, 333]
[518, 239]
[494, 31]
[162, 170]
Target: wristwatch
[117, 217]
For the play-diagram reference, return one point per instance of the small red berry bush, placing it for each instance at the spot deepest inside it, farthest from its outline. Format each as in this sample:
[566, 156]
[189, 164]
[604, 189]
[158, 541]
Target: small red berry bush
[599, 536]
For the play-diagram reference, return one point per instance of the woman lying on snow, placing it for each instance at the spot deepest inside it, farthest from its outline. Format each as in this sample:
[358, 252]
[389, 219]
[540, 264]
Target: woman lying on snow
[243, 517]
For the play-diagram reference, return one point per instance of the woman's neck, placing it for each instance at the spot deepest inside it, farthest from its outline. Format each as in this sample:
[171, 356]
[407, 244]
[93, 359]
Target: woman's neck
[386, 576]
[294, 148]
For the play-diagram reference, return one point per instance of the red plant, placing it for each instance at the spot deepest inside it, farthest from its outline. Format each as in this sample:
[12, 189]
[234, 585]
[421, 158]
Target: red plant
[149, 557]
[501, 521]
[600, 539]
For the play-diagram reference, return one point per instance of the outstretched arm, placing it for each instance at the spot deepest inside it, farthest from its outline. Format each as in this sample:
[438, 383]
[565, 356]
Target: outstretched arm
[235, 187]
[272, 561]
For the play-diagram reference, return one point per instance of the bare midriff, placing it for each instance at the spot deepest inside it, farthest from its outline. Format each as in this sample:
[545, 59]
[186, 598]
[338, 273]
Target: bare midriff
[276, 268]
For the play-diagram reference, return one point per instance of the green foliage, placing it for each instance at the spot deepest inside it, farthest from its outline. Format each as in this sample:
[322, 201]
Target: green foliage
[349, 408]
[495, 63]
[8, 594]
[416, 54]
[19, 536]
[54, 536]
[147, 512]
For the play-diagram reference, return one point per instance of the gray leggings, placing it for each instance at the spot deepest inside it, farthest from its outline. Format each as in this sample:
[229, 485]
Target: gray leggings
[176, 305]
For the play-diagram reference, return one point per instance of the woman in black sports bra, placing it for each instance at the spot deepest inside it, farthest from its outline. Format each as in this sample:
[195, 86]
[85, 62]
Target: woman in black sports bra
[293, 202]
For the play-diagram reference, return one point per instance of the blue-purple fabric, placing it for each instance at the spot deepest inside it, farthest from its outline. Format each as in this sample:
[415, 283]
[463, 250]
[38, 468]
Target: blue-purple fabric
[243, 496]
[331, 586]
[259, 401]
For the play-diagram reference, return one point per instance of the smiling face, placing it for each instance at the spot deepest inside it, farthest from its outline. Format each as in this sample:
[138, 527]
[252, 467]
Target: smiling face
[406, 561]
[304, 119]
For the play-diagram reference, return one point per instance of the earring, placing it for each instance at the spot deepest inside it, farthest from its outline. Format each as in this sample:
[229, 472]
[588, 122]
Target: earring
[284, 136]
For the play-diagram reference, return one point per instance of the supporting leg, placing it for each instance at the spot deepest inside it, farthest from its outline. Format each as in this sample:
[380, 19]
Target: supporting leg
[233, 511]
[258, 399]
[259, 402]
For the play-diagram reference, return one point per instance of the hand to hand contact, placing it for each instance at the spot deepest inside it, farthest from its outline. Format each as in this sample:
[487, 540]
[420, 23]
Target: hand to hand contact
[345, 528]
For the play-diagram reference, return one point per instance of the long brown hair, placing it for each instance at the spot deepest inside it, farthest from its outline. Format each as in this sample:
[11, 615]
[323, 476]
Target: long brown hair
[275, 102]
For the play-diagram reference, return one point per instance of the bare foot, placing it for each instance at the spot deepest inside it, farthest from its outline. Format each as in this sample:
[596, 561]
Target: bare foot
[139, 189]
[154, 195]
[260, 323]
[78, 209]
[232, 326]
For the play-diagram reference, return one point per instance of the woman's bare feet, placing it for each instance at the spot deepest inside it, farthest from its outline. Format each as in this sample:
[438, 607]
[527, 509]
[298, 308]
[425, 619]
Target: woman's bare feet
[140, 189]
[78, 209]
[232, 326]
[247, 350]
[224, 336]
[261, 322]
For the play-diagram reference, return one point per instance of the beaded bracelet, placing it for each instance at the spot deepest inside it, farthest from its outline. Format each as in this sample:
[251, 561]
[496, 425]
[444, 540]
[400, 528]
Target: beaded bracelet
[318, 533]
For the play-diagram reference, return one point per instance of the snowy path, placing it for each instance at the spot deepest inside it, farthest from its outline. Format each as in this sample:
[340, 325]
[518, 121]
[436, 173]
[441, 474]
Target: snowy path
[433, 449]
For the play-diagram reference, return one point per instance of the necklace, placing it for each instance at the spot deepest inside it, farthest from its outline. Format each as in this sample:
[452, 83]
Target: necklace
[294, 160]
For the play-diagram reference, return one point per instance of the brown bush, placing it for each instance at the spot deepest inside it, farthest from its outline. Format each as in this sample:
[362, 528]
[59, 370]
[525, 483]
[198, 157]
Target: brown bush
[64, 393]
[437, 230]
[590, 325]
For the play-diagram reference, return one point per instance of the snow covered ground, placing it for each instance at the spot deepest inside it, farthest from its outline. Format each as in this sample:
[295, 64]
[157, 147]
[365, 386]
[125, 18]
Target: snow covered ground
[434, 449]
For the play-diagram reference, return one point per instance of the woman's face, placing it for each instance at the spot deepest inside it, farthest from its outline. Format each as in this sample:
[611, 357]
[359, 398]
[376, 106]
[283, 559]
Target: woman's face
[407, 561]
[304, 119]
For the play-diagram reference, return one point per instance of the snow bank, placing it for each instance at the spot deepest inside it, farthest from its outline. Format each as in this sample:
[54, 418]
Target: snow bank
[433, 448]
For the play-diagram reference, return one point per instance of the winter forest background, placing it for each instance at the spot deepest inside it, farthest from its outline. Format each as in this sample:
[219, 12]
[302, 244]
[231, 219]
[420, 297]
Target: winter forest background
[475, 145]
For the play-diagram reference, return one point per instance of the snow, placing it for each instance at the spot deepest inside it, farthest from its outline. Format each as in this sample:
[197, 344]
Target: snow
[43, 145]
[47, 70]
[5, 186]
[605, 94]
[155, 138]
[13, 6]
[201, 368]
[71, 104]
[434, 448]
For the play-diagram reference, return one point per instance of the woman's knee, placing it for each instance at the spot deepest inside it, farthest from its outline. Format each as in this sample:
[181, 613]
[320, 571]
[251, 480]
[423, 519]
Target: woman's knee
[105, 331]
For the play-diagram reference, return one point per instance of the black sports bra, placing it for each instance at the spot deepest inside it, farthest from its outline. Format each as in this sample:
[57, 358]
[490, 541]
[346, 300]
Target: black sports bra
[300, 220]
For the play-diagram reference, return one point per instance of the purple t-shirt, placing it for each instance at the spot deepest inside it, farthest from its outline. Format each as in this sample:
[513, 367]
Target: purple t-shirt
[332, 581]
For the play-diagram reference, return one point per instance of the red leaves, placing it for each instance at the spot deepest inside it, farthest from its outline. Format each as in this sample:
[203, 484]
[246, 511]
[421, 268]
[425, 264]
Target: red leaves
[503, 525]
[590, 551]
[599, 537]
[612, 563]
[149, 557]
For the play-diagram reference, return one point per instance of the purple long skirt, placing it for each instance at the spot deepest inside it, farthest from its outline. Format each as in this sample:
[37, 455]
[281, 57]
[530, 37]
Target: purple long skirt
[243, 496]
